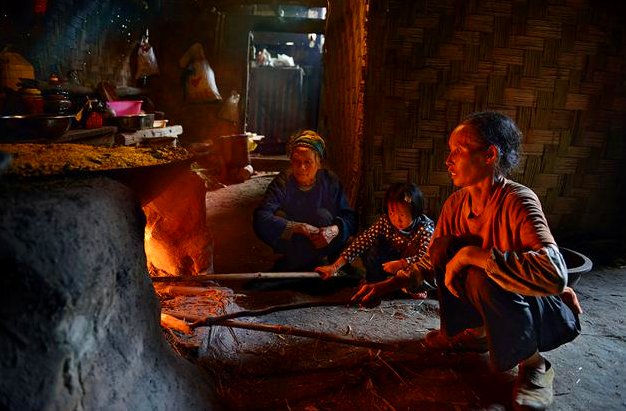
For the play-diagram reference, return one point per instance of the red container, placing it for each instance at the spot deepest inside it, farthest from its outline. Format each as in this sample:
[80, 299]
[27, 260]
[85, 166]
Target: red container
[125, 107]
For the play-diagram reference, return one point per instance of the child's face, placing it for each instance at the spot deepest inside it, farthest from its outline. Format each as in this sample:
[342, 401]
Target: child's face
[400, 214]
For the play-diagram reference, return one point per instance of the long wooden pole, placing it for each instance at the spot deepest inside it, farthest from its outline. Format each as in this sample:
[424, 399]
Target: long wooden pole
[236, 276]
[211, 320]
[288, 330]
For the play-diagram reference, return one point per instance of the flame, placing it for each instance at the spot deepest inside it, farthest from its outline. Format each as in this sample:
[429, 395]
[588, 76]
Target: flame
[161, 259]
[176, 238]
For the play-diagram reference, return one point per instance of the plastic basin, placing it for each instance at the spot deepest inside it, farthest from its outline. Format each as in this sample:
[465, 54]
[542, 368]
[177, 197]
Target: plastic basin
[125, 107]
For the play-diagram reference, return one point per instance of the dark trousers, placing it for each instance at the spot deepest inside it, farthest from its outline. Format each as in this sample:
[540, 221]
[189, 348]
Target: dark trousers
[299, 254]
[373, 259]
[516, 325]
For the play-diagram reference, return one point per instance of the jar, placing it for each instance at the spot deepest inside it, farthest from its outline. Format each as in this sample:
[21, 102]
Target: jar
[31, 101]
[57, 103]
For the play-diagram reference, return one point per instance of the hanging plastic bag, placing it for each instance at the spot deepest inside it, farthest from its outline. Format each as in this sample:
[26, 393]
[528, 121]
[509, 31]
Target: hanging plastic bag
[230, 108]
[198, 78]
[146, 60]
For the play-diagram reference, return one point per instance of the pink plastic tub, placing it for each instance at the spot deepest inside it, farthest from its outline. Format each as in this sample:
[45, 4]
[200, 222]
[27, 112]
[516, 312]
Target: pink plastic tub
[125, 107]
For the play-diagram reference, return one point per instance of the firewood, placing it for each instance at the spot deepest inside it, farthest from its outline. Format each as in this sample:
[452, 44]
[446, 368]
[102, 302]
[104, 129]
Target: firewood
[182, 315]
[171, 322]
[180, 290]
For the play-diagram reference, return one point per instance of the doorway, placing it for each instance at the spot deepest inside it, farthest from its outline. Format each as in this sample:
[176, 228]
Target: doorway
[284, 84]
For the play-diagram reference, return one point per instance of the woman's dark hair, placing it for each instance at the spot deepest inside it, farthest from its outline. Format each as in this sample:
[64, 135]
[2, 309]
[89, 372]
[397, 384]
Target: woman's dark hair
[407, 193]
[501, 131]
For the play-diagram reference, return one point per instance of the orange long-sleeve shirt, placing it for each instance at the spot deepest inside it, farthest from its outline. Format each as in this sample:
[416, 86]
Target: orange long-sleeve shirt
[524, 256]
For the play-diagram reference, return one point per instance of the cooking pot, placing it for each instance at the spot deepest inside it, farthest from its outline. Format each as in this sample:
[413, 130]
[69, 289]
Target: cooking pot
[132, 122]
[35, 127]
[56, 103]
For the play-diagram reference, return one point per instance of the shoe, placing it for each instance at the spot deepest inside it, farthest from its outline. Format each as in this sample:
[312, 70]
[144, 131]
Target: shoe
[467, 341]
[533, 388]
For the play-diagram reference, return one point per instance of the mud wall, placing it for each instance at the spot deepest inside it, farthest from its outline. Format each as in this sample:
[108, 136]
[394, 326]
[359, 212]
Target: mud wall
[79, 318]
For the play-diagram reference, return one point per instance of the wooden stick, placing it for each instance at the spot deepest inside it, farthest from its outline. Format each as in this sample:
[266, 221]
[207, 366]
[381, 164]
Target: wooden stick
[255, 313]
[288, 330]
[182, 290]
[236, 276]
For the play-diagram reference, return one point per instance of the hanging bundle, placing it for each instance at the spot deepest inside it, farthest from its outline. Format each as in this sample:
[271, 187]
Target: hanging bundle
[146, 60]
[198, 78]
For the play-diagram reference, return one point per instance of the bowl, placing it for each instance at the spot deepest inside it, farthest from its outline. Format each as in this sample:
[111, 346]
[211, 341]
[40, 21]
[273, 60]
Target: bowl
[15, 129]
[125, 107]
[577, 265]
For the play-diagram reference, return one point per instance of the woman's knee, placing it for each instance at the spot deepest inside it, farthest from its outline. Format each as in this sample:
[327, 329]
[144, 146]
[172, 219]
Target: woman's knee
[485, 293]
[478, 286]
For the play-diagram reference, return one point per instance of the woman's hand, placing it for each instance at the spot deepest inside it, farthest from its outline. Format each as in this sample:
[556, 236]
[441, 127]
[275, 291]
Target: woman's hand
[392, 267]
[305, 229]
[466, 256]
[453, 268]
[571, 300]
[369, 294]
[324, 236]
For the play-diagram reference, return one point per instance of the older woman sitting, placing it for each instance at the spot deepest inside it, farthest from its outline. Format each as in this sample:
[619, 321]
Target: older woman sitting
[305, 215]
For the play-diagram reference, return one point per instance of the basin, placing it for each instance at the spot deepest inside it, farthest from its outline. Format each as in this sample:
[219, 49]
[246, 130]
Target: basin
[577, 265]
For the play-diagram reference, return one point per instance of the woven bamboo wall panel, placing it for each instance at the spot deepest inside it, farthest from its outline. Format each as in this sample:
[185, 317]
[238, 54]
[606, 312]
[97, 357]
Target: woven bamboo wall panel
[543, 137]
[482, 23]
[557, 68]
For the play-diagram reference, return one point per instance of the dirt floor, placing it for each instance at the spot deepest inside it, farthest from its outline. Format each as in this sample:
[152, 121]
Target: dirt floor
[268, 371]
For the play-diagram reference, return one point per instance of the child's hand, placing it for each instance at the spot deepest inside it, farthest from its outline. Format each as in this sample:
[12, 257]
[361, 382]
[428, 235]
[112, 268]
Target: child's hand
[330, 270]
[326, 271]
[392, 267]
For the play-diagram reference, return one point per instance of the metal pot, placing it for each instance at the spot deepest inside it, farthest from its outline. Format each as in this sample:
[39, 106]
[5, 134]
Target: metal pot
[577, 265]
[56, 103]
[36, 127]
[132, 122]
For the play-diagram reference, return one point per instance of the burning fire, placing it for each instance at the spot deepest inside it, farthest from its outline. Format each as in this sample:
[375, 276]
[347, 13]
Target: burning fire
[177, 240]
[161, 260]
